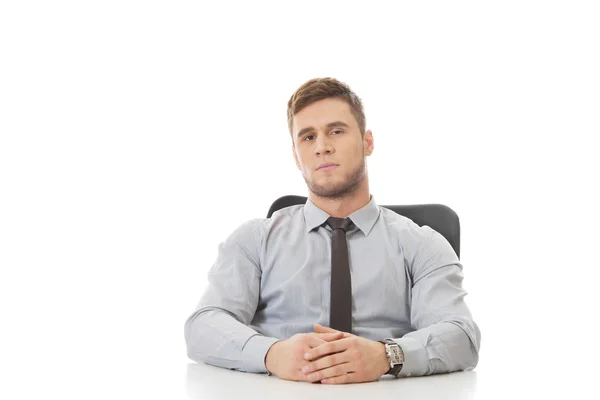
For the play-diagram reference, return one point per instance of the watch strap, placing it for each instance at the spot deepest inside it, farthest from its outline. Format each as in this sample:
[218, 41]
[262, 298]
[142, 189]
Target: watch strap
[395, 370]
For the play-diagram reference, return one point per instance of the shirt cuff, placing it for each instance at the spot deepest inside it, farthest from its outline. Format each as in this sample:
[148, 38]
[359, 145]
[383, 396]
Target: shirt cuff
[255, 351]
[415, 357]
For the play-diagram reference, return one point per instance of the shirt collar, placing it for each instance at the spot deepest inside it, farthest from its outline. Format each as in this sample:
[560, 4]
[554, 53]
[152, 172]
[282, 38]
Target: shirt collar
[363, 218]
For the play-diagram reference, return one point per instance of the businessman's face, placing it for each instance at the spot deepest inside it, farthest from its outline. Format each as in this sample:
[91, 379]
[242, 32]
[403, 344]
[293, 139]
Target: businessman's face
[328, 148]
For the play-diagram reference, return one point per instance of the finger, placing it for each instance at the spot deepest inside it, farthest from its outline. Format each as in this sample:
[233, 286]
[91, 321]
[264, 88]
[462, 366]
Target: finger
[323, 329]
[347, 378]
[328, 335]
[320, 328]
[326, 362]
[331, 372]
[322, 338]
[327, 348]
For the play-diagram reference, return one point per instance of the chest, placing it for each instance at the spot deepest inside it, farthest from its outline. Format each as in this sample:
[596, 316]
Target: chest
[297, 270]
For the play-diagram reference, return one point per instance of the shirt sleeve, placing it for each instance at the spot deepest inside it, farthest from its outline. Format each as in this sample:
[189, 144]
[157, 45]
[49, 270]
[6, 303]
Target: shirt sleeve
[217, 333]
[446, 338]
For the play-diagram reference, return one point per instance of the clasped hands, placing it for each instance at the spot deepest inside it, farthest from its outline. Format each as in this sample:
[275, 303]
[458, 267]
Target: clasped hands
[327, 356]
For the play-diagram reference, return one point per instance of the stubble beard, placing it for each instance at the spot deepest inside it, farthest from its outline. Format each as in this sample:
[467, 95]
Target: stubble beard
[340, 190]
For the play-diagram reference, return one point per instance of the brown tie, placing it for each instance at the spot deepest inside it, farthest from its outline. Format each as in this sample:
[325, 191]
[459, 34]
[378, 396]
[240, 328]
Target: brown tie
[340, 312]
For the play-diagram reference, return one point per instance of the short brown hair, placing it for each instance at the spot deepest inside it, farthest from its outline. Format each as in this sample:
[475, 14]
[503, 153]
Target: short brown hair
[324, 88]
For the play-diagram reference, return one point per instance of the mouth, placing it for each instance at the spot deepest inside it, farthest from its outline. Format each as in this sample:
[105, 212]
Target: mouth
[327, 167]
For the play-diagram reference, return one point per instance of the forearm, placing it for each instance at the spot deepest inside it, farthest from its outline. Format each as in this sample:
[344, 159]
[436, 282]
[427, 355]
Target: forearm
[442, 347]
[215, 337]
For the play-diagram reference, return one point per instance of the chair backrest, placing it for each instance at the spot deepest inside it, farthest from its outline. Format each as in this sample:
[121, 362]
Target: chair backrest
[437, 216]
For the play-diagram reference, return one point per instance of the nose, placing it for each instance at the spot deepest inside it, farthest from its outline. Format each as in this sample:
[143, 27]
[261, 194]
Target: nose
[323, 145]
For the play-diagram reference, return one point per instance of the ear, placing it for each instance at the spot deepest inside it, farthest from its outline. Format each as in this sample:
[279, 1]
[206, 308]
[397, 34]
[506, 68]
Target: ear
[369, 143]
[296, 157]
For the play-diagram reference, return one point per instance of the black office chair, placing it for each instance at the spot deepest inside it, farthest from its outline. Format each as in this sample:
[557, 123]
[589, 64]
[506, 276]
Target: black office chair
[437, 216]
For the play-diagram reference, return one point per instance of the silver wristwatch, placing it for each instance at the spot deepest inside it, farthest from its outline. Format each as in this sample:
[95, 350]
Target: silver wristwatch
[395, 356]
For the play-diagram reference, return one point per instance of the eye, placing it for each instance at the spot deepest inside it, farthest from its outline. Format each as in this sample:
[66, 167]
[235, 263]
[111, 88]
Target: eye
[338, 130]
[307, 136]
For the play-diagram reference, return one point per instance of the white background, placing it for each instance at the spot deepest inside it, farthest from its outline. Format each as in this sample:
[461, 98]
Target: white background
[136, 135]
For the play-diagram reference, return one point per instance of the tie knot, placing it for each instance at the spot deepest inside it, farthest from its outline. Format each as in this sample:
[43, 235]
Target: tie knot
[344, 224]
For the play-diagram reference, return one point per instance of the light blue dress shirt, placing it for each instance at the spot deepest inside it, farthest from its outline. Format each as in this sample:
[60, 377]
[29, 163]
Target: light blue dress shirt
[271, 280]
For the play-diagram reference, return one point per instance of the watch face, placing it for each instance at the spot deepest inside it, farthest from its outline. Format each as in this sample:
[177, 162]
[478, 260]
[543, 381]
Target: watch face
[397, 356]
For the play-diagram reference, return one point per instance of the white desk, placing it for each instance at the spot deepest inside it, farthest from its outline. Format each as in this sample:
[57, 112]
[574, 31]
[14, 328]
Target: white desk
[208, 382]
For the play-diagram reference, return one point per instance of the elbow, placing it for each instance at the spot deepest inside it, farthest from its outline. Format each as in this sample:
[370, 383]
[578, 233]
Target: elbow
[462, 356]
[195, 354]
[468, 339]
[472, 351]
[193, 334]
[475, 345]
[472, 361]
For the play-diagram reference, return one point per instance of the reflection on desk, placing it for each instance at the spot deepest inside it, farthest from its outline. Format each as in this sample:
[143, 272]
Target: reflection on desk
[208, 382]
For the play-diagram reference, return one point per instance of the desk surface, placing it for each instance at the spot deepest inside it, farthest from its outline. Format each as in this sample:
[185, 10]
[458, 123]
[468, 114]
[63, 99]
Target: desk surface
[208, 382]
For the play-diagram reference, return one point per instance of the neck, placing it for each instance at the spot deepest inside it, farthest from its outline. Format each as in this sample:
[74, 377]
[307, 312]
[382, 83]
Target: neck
[341, 207]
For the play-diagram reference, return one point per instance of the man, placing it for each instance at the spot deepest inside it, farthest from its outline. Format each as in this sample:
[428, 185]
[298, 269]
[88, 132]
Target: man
[393, 287]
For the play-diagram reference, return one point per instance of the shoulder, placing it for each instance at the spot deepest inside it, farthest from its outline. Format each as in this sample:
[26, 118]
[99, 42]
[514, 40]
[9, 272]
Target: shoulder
[405, 228]
[284, 220]
[289, 213]
[416, 241]
[255, 230]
